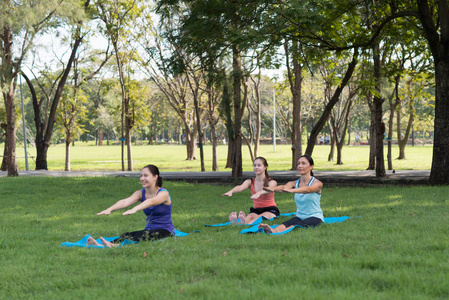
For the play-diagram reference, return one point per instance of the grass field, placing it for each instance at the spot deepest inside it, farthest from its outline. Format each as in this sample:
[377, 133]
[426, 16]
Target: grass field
[85, 156]
[397, 249]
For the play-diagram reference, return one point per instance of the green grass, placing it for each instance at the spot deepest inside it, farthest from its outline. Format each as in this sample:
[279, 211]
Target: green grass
[398, 249]
[85, 156]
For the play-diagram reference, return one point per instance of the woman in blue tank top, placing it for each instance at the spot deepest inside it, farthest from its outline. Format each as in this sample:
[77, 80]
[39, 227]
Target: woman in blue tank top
[307, 195]
[155, 202]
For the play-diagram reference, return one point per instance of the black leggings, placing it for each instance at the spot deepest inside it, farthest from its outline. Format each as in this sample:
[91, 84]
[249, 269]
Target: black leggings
[144, 235]
[309, 222]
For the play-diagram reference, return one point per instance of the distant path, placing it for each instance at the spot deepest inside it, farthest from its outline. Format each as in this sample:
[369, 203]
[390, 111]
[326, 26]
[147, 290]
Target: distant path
[330, 178]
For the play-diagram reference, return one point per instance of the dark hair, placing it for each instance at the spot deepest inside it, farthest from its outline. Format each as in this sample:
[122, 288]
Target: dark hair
[310, 160]
[155, 171]
[265, 163]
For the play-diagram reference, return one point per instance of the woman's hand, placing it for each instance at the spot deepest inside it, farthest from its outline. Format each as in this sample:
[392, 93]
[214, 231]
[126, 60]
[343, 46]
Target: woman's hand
[130, 212]
[255, 196]
[229, 194]
[104, 212]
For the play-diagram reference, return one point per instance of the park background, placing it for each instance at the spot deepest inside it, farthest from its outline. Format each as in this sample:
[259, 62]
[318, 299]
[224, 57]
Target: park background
[88, 157]
[394, 246]
[156, 77]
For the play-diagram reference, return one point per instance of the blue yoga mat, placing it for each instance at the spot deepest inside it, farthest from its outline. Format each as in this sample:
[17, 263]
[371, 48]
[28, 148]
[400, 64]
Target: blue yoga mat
[83, 241]
[256, 222]
[255, 228]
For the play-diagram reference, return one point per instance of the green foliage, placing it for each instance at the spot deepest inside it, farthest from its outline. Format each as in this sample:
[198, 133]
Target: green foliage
[397, 249]
[37, 15]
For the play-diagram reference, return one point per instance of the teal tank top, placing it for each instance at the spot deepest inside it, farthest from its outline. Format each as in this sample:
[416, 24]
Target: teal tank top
[308, 205]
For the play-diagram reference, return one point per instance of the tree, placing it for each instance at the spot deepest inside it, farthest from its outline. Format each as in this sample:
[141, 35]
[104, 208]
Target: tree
[235, 26]
[434, 18]
[117, 17]
[20, 22]
[295, 78]
[334, 99]
[73, 107]
[175, 88]
[413, 90]
[71, 111]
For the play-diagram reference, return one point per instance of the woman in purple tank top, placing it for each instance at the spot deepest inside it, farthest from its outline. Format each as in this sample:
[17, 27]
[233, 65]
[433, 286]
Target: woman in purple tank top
[155, 202]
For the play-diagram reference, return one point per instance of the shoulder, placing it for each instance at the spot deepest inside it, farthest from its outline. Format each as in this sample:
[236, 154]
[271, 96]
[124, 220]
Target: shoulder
[162, 191]
[317, 181]
[248, 182]
[163, 194]
[139, 194]
[317, 185]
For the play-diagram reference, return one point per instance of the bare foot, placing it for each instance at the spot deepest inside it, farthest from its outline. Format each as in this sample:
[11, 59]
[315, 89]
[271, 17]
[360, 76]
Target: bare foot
[242, 217]
[92, 242]
[233, 218]
[266, 228]
[107, 243]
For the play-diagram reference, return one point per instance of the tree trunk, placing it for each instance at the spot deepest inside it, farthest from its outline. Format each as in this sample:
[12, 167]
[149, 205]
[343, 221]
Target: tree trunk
[402, 141]
[330, 156]
[41, 155]
[248, 143]
[129, 151]
[8, 77]
[339, 147]
[213, 134]
[230, 154]
[238, 113]
[377, 107]
[4, 166]
[10, 143]
[213, 130]
[67, 152]
[190, 137]
[371, 139]
[440, 162]
[295, 81]
[332, 133]
[437, 37]
[100, 135]
[258, 121]
[340, 141]
[200, 134]
[327, 110]
[393, 105]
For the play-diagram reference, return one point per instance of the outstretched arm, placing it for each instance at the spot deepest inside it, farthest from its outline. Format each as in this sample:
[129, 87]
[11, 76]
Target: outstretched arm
[162, 197]
[246, 184]
[134, 198]
[266, 190]
[314, 188]
[280, 188]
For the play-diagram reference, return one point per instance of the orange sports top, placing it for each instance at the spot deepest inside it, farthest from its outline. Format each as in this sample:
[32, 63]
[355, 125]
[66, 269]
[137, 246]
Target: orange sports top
[265, 200]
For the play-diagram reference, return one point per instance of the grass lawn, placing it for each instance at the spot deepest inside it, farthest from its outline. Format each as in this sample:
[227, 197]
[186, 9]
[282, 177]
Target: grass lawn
[398, 249]
[86, 156]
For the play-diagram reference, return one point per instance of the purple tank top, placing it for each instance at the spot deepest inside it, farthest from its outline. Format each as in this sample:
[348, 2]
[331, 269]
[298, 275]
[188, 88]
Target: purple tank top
[159, 216]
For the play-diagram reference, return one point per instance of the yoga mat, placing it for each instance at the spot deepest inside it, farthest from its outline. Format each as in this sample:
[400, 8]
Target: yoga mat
[82, 242]
[329, 220]
[258, 221]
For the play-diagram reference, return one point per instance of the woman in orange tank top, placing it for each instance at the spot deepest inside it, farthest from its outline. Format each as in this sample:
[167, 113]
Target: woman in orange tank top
[264, 204]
